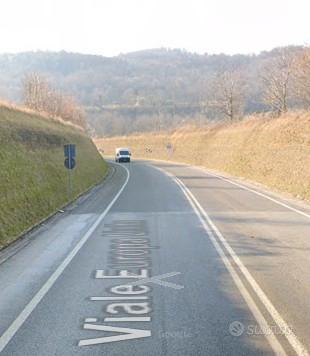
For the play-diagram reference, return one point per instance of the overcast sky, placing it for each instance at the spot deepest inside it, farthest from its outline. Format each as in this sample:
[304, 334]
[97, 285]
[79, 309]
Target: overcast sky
[110, 27]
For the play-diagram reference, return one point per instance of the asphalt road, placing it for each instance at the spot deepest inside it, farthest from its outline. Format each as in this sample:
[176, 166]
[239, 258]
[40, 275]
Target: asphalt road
[162, 259]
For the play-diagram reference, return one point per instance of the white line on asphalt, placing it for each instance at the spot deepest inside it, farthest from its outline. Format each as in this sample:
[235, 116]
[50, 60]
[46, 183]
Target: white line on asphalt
[206, 171]
[213, 232]
[158, 280]
[22, 317]
[117, 298]
[91, 320]
[126, 319]
[276, 346]
[255, 192]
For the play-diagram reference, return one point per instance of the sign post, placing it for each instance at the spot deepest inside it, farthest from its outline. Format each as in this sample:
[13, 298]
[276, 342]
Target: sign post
[69, 153]
[169, 148]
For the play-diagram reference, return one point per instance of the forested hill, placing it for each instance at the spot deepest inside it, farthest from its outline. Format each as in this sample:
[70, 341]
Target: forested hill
[141, 90]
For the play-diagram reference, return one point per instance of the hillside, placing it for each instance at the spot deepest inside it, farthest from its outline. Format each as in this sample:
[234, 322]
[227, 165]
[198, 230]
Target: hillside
[150, 89]
[33, 180]
[274, 152]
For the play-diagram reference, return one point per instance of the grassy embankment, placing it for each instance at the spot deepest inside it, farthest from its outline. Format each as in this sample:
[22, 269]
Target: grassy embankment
[274, 152]
[33, 180]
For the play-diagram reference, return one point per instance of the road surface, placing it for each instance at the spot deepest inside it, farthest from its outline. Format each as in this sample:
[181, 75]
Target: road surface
[161, 259]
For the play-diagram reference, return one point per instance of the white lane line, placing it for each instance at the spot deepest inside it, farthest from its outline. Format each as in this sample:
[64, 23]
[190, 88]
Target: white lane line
[22, 317]
[255, 192]
[214, 232]
[206, 171]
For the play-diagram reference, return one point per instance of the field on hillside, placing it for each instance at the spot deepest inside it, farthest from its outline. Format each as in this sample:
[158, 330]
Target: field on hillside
[274, 152]
[33, 180]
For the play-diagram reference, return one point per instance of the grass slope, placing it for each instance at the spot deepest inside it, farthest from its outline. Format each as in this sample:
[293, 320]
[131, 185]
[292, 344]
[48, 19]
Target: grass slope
[33, 180]
[274, 152]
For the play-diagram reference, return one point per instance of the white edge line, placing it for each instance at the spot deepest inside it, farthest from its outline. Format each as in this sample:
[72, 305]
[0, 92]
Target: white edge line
[206, 171]
[214, 231]
[255, 192]
[22, 317]
[288, 332]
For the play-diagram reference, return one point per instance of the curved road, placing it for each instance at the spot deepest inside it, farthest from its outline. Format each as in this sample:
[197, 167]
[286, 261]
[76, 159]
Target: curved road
[161, 259]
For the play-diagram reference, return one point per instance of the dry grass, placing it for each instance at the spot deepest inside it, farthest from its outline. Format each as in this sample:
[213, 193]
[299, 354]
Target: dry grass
[41, 114]
[274, 152]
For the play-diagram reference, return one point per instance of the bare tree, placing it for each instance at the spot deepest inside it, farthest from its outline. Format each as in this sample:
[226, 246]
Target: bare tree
[36, 91]
[301, 77]
[276, 78]
[228, 94]
[40, 96]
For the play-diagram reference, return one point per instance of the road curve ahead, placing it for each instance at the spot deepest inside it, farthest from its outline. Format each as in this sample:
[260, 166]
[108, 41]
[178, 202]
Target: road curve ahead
[162, 259]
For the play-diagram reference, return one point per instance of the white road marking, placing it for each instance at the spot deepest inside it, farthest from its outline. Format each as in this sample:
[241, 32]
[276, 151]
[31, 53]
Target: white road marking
[206, 171]
[117, 298]
[276, 346]
[159, 280]
[255, 192]
[289, 334]
[131, 318]
[214, 234]
[127, 334]
[91, 320]
[22, 317]
[125, 274]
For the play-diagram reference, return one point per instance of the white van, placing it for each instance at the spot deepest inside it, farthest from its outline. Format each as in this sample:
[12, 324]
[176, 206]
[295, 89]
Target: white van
[122, 154]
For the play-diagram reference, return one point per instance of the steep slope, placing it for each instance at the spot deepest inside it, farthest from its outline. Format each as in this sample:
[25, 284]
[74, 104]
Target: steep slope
[274, 152]
[33, 180]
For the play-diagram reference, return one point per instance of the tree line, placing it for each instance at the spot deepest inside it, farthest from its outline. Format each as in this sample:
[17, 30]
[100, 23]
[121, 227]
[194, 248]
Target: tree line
[162, 88]
[39, 95]
[285, 83]
[275, 82]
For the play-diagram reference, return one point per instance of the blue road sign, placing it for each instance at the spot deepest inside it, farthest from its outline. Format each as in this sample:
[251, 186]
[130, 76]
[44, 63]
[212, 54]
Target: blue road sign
[70, 163]
[69, 151]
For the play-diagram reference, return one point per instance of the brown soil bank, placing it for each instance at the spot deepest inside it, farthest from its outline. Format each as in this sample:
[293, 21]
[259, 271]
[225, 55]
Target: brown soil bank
[274, 152]
[33, 180]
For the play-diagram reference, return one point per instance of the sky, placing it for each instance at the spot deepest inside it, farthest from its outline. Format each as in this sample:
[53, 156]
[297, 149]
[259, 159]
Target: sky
[110, 27]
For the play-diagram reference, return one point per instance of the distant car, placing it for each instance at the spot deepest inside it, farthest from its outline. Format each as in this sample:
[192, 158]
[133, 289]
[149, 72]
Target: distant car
[122, 154]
